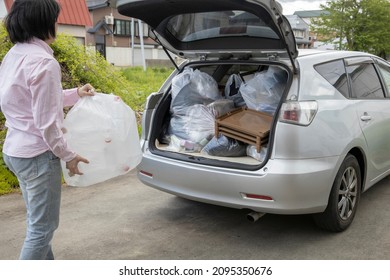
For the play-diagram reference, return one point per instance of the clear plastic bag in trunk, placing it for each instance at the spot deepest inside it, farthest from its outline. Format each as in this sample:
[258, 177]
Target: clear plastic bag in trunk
[191, 118]
[264, 91]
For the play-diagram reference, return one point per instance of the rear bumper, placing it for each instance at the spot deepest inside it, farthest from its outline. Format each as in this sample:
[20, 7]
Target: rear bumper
[295, 186]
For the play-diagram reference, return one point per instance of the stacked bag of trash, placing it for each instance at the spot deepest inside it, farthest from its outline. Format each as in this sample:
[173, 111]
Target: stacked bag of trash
[197, 102]
[264, 91]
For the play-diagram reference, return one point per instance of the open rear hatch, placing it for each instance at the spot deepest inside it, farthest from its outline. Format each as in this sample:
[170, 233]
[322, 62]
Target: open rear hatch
[203, 117]
[206, 28]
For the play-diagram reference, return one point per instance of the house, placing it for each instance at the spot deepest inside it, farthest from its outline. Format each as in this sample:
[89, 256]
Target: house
[123, 41]
[301, 31]
[98, 26]
[74, 17]
[307, 16]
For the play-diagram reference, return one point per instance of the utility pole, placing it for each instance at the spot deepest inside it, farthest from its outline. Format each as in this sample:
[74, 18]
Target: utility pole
[132, 42]
[141, 37]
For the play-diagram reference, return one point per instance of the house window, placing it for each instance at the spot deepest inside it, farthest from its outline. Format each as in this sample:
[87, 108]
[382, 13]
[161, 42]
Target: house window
[145, 29]
[122, 27]
[299, 33]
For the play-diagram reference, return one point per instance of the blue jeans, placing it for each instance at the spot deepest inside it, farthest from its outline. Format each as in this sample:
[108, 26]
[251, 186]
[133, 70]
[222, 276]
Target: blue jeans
[40, 182]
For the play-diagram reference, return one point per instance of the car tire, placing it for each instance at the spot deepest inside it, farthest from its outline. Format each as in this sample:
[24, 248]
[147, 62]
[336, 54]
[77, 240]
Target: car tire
[344, 197]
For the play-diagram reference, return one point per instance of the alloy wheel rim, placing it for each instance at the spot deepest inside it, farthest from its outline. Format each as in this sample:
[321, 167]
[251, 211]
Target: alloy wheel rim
[347, 194]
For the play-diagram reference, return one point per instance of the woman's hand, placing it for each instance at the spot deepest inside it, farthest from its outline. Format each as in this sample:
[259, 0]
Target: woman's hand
[86, 90]
[72, 165]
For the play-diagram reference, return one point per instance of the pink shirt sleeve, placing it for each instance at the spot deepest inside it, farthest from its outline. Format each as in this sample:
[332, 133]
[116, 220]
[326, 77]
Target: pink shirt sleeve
[47, 106]
[70, 97]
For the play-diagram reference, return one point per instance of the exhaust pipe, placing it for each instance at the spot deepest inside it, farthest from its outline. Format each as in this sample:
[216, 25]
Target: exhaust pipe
[254, 216]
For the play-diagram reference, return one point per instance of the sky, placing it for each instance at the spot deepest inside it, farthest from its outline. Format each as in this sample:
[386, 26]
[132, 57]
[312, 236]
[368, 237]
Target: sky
[291, 6]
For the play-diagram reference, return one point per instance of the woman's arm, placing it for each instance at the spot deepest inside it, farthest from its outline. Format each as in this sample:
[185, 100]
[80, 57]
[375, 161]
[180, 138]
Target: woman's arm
[71, 96]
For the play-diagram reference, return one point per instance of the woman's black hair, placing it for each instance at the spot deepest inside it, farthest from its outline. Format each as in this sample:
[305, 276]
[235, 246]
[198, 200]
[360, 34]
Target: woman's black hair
[32, 18]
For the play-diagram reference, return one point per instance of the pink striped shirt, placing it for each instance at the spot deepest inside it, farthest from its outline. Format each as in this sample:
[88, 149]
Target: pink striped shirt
[32, 100]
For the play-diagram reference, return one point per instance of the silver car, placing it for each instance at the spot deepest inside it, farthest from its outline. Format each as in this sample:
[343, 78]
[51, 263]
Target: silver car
[247, 121]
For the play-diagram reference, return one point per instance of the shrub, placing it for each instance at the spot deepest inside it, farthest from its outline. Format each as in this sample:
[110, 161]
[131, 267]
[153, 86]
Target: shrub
[5, 43]
[80, 65]
[8, 182]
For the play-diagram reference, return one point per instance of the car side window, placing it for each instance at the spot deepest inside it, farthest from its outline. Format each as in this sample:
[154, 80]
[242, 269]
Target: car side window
[334, 73]
[365, 83]
[385, 71]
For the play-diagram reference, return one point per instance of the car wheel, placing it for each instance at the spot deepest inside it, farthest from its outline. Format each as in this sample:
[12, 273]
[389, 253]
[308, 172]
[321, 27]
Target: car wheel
[343, 199]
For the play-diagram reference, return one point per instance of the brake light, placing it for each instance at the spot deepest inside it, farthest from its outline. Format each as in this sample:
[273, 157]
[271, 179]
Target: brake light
[300, 113]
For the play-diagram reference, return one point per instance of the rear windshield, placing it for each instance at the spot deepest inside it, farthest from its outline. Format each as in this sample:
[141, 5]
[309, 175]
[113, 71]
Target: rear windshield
[193, 27]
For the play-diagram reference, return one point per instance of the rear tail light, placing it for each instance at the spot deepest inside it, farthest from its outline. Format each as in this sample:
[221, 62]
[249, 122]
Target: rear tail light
[300, 113]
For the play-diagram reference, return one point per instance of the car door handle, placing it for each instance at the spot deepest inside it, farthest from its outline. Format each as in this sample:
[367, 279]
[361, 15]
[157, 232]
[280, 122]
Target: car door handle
[365, 117]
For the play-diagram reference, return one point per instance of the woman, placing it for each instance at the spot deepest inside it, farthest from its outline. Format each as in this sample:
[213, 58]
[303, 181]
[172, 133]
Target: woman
[32, 100]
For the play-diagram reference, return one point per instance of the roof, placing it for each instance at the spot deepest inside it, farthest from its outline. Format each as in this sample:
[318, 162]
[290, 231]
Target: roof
[297, 22]
[312, 13]
[73, 12]
[96, 4]
[100, 24]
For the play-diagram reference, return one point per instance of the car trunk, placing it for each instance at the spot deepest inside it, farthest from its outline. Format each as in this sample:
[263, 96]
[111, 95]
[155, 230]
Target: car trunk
[243, 58]
[187, 123]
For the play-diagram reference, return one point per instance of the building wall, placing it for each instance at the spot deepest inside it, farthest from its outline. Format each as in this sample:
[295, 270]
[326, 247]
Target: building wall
[3, 10]
[301, 31]
[118, 41]
[123, 57]
[76, 31]
[118, 48]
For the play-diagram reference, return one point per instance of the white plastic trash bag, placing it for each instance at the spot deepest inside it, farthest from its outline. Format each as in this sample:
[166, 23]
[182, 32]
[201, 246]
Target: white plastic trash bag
[264, 92]
[192, 87]
[201, 84]
[102, 129]
[200, 126]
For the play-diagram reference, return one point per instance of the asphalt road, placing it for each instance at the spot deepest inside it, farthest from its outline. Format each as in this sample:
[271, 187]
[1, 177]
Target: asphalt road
[123, 219]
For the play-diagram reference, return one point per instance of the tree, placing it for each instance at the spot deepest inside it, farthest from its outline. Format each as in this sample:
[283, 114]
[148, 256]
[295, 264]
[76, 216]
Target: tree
[359, 25]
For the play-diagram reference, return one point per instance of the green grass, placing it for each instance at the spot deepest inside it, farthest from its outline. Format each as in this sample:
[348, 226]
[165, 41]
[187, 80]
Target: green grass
[143, 83]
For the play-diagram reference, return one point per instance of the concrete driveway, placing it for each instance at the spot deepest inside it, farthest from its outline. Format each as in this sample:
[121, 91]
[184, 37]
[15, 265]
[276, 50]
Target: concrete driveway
[123, 219]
